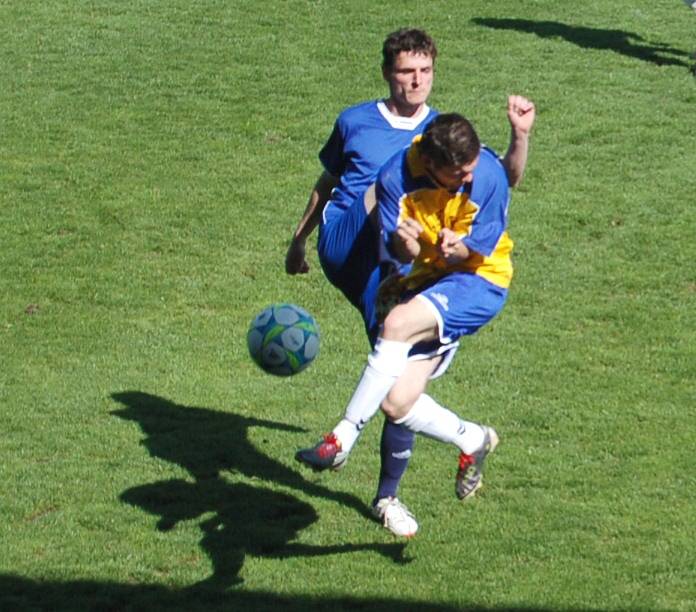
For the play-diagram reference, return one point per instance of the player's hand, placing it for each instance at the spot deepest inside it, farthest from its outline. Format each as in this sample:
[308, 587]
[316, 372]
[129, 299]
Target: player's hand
[295, 262]
[451, 247]
[405, 240]
[521, 113]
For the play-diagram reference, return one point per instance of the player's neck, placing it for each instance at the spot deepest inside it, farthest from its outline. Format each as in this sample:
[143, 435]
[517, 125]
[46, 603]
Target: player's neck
[403, 110]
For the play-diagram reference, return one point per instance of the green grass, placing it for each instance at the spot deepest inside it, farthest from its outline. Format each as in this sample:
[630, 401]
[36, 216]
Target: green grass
[154, 159]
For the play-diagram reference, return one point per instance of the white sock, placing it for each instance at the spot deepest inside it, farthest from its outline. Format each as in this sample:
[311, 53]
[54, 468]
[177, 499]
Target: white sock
[348, 433]
[435, 421]
[384, 365]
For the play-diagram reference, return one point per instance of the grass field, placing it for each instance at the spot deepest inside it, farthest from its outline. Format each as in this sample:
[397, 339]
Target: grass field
[154, 159]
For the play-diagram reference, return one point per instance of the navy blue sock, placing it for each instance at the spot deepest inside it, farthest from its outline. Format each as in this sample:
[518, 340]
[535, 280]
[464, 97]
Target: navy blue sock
[395, 452]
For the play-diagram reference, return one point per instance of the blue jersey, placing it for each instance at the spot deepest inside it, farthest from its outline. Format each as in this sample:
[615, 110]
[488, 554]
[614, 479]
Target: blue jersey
[363, 138]
[477, 212]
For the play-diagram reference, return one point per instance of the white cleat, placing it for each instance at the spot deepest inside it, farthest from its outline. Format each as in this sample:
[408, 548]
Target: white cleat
[470, 471]
[395, 517]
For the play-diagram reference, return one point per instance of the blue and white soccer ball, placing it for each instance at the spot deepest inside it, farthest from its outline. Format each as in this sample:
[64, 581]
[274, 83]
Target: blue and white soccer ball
[283, 339]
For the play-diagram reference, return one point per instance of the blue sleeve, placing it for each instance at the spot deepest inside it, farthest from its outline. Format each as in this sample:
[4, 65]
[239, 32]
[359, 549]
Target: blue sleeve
[332, 153]
[492, 195]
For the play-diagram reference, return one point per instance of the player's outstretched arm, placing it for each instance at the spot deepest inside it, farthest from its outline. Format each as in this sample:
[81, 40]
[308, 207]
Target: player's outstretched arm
[295, 258]
[521, 114]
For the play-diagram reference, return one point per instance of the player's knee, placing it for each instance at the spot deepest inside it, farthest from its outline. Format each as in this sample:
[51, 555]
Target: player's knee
[394, 407]
[389, 409]
[332, 260]
[401, 397]
[398, 324]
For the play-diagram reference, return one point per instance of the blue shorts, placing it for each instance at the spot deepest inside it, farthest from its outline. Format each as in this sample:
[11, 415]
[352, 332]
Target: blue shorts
[462, 303]
[349, 253]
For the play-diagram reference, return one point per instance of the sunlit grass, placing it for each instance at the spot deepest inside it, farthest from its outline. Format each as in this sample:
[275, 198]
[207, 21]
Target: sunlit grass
[154, 160]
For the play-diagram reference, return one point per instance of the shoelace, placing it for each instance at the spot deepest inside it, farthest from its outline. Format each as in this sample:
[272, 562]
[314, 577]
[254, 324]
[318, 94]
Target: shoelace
[465, 461]
[329, 447]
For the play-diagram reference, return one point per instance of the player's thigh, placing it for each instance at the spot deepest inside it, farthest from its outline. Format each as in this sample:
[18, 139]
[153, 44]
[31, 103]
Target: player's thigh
[412, 321]
[343, 233]
[462, 303]
[348, 251]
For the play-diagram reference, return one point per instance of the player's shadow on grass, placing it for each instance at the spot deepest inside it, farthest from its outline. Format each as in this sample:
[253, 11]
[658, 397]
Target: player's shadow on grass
[626, 43]
[245, 519]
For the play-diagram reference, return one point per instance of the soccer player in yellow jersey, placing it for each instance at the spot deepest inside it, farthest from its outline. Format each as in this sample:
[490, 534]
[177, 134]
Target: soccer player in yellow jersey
[443, 205]
[364, 137]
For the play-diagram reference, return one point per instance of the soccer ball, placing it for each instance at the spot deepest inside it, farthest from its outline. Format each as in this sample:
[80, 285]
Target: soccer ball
[283, 339]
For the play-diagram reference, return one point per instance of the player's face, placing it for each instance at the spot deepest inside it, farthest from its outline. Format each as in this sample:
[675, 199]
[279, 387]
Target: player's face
[410, 81]
[451, 177]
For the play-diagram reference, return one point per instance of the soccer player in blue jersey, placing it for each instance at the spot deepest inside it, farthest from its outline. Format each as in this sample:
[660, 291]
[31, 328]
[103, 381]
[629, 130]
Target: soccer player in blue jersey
[443, 205]
[363, 138]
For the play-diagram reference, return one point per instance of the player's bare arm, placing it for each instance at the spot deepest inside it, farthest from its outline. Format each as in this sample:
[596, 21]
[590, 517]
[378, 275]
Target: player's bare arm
[521, 114]
[295, 261]
[370, 203]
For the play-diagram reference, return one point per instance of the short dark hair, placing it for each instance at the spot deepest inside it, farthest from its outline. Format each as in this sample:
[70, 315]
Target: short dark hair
[410, 40]
[450, 140]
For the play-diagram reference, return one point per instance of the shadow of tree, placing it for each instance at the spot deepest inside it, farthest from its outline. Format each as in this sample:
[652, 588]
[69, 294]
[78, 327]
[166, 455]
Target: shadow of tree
[246, 519]
[18, 593]
[619, 41]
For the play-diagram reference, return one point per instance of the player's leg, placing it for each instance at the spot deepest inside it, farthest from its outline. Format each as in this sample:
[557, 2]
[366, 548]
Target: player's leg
[407, 393]
[462, 304]
[395, 450]
[348, 249]
[406, 323]
[396, 442]
[427, 361]
[386, 363]
[349, 255]
[474, 440]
